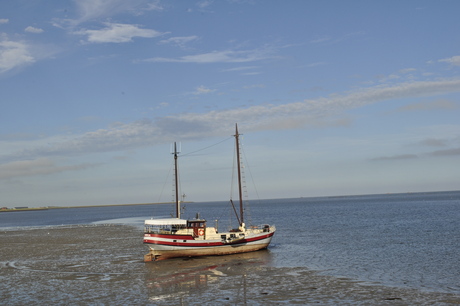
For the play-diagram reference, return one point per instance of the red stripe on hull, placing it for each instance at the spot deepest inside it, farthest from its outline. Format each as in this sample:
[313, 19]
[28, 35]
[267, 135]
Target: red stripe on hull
[201, 244]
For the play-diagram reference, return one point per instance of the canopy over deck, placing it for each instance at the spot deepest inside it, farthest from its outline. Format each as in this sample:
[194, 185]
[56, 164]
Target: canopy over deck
[166, 221]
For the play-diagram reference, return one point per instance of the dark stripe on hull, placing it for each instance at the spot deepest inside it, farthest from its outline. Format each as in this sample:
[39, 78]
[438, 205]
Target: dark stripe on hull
[215, 243]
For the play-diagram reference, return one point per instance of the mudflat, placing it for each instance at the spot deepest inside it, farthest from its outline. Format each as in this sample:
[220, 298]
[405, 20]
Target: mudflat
[103, 264]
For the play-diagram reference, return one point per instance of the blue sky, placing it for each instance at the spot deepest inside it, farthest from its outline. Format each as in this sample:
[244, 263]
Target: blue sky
[333, 98]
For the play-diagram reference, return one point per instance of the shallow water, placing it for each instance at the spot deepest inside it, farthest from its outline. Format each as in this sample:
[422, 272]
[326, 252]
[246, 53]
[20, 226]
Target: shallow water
[399, 249]
[101, 265]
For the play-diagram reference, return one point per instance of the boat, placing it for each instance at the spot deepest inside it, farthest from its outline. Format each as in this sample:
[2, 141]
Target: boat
[177, 237]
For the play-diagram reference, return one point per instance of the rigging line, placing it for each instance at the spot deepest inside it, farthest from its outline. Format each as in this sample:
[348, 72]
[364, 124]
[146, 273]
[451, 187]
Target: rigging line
[232, 184]
[250, 174]
[207, 147]
[166, 181]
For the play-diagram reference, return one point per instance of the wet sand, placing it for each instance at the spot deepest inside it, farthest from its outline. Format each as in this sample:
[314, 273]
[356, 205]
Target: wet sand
[102, 265]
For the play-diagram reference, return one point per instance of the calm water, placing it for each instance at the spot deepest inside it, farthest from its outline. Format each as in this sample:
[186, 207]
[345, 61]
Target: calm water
[400, 240]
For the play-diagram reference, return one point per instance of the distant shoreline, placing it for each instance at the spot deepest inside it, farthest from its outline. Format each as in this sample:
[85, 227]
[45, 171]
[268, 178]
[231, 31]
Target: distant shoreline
[189, 202]
[86, 206]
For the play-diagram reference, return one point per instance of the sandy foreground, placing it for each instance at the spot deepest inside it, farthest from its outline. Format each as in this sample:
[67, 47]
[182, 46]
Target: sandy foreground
[102, 265]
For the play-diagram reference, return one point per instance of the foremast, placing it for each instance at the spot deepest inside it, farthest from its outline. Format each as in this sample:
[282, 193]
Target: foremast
[176, 182]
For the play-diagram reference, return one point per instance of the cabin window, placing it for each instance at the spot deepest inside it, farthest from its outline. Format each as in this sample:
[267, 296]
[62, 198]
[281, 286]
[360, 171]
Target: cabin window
[196, 224]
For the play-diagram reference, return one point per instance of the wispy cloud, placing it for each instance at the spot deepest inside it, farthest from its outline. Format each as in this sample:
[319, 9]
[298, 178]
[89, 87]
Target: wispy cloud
[254, 86]
[117, 33]
[4, 20]
[14, 54]
[204, 3]
[454, 60]
[321, 39]
[179, 41]
[94, 9]
[316, 64]
[407, 70]
[40, 166]
[244, 68]
[97, 10]
[429, 142]
[153, 6]
[227, 56]
[203, 90]
[328, 111]
[395, 157]
[447, 152]
[441, 104]
[432, 142]
[34, 30]
[331, 40]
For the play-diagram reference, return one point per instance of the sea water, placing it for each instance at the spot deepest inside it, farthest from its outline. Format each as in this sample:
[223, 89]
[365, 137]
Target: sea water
[396, 240]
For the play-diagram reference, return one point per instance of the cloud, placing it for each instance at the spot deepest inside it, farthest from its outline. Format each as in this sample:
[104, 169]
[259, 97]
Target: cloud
[316, 64]
[407, 70]
[316, 112]
[254, 86]
[117, 33]
[203, 90]
[251, 73]
[454, 60]
[441, 104]
[409, 89]
[153, 6]
[14, 54]
[395, 157]
[114, 138]
[97, 10]
[94, 9]
[4, 20]
[204, 3]
[41, 166]
[432, 142]
[30, 29]
[241, 68]
[218, 57]
[326, 111]
[179, 41]
[447, 152]
[320, 40]
[329, 40]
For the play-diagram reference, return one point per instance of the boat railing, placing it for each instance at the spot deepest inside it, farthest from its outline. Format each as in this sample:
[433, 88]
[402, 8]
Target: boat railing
[168, 230]
[162, 229]
[262, 228]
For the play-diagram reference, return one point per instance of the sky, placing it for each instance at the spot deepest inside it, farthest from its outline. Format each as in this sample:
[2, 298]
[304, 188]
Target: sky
[332, 98]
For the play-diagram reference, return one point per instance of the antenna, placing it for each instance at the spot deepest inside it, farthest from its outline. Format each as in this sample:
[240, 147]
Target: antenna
[174, 148]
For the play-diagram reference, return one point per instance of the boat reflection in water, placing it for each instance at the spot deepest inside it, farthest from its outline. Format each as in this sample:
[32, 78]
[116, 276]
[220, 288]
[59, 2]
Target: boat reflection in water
[211, 278]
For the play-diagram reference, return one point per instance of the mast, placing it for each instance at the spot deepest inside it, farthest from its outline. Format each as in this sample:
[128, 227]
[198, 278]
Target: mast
[240, 190]
[176, 182]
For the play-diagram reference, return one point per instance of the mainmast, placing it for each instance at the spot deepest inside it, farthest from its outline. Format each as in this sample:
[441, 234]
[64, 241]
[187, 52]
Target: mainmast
[176, 182]
[240, 190]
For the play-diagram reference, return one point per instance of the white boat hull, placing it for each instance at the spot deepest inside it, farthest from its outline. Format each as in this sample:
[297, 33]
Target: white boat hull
[163, 247]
